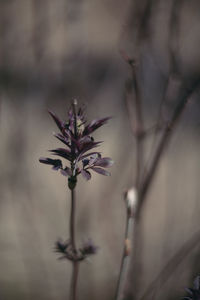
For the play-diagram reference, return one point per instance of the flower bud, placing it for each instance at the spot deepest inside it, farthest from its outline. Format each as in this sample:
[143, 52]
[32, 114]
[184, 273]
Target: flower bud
[72, 182]
[131, 198]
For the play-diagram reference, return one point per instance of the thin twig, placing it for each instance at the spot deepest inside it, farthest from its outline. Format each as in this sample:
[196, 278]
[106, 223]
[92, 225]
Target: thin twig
[135, 114]
[172, 264]
[131, 204]
[164, 140]
[74, 280]
[124, 260]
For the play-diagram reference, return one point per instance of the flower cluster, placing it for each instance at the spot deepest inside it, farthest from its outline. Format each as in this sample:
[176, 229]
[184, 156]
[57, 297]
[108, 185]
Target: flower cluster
[75, 134]
[195, 291]
[65, 248]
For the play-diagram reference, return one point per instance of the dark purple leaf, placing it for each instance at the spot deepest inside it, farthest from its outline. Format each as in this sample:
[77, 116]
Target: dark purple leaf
[94, 125]
[61, 246]
[69, 134]
[81, 114]
[66, 172]
[55, 168]
[104, 162]
[89, 248]
[89, 146]
[56, 163]
[63, 139]
[62, 152]
[86, 174]
[85, 139]
[58, 122]
[101, 171]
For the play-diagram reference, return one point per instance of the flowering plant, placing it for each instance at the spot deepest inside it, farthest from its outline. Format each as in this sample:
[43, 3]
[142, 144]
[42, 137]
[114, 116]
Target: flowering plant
[75, 134]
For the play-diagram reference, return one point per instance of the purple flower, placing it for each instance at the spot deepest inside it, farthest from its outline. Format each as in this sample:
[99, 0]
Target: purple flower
[67, 252]
[194, 293]
[88, 248]
[61, 246]
[75, 134]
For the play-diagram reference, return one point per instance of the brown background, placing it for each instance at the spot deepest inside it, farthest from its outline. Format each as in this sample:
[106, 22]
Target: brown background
[50, 52]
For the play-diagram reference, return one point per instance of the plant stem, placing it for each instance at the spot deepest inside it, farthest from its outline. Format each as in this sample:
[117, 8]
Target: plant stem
[131, 199]
[72, 220]
[75, 263]
[74, 280]
[184, 98]
[125, 260]
[172, 264]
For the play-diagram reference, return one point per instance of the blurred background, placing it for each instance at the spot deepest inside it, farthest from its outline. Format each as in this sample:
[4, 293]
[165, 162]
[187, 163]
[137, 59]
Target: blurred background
[54, 51]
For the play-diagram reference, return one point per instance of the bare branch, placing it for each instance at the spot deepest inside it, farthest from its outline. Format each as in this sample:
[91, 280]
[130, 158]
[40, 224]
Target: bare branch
[172, 264]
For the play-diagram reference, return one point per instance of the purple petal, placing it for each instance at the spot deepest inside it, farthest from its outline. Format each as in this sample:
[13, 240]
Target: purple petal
[86, 174]
[61, 246]
[62, 152]
[58, 122]
[86, 155]
[101, 171]
[55, 168]
[89, 248]
[85, 162]
[104, 162]
[66, 172]
[85, 139]
[94, 158]
[94, 125]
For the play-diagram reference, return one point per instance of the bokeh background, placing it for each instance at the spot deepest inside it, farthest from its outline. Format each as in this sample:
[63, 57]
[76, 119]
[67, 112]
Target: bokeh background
[54, 51]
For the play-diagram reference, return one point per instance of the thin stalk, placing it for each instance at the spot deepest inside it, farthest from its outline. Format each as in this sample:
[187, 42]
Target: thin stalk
[72, 220]
[131, 199]
[132, 196]
[164, 141]
[124, 260]
[74, 280]
[75, 263]
[172, 264]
